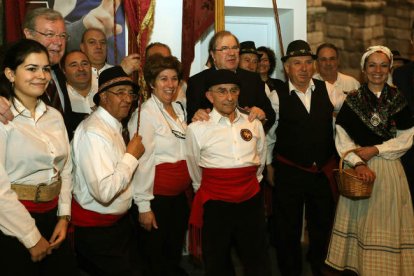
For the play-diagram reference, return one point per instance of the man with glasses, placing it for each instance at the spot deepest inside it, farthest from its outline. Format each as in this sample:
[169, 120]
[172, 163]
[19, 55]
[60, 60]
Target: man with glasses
[47, 27]
[225, 157]
[224, 49]
[102, 171]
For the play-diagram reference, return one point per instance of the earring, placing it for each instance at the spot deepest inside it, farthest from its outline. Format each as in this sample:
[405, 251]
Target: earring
[12, 84]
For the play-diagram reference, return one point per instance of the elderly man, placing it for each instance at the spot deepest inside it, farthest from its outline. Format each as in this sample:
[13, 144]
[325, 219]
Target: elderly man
[327, 62]
[102, 173]
[48, 28]
[225, 157]
[224, 48]
[249, 57]
[303, 152]
[77, 69]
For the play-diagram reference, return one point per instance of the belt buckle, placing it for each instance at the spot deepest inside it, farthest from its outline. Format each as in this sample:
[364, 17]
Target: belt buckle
[37, 194]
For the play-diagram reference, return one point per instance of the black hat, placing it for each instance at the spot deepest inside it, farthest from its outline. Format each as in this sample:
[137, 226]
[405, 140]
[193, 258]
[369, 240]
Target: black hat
[112, 77]
[298, 48]
[221, 76]
[248, 47]
[397, 56]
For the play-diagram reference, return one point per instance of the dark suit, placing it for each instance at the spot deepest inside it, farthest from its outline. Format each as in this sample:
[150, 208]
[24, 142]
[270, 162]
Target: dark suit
[403, 78]
[252, 93]
[67, 111]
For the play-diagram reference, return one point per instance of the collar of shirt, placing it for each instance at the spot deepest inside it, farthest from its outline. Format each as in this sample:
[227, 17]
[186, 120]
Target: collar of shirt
[217, 118]
[109, 119]
[310, 88]
[72, 89]
[18, 109]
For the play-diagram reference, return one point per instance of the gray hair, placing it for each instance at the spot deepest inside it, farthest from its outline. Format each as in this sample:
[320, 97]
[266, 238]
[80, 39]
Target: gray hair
[31, 16]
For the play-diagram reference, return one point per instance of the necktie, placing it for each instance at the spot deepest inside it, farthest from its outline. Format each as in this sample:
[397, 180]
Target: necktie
[53, 96]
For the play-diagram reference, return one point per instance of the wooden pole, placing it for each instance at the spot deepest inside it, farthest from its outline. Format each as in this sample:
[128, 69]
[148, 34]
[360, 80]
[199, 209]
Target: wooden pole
[219, 16]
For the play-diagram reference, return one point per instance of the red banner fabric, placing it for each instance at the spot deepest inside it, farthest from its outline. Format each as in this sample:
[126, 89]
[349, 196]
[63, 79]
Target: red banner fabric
[14, 12]
[198, 16]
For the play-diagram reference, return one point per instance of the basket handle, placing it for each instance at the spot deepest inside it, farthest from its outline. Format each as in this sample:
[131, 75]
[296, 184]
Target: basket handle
[342, 159]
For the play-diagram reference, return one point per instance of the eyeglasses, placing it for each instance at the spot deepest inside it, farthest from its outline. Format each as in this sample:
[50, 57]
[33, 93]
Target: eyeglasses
[178, 134]
[124, 94]
[223, 92]
[51, 35]
[226, 49]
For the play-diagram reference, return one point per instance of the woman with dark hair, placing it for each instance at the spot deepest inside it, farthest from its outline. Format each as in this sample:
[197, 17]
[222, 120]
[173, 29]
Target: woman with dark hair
[162, 176]
[375, 236]
[35, 180]
[266, 67]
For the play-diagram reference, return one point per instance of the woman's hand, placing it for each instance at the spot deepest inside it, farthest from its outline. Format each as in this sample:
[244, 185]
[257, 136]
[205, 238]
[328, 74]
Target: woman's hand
[147, 220]
[59, 235]
[40, 250]
[364, 173]
[366, 153]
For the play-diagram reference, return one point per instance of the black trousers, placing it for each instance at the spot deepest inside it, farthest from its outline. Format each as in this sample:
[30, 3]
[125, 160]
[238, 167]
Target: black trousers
[15, 259]
[293, 189]
[163, 247]
[241, 225]
[108, 251]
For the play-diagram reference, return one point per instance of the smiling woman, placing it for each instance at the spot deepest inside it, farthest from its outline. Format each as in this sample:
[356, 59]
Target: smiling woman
[36, 184]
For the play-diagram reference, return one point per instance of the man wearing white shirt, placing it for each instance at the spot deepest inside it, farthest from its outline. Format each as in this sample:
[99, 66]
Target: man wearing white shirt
[225, 158]
[77, 69]
[302, 157]
[102, 173]
[327, 62]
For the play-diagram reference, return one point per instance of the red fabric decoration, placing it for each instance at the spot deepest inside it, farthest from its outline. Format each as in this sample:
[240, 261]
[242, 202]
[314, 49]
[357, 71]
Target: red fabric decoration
[198, 16]
[86, 218]
[14, 12]
[171, 178]
[230, 185]
[40, 207]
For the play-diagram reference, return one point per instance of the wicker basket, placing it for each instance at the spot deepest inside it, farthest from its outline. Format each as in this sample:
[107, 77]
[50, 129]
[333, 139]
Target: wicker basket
[349, 184]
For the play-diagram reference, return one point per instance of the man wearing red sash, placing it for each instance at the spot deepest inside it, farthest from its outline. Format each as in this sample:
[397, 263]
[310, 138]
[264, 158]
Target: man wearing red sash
[225, 158]
[103, 169]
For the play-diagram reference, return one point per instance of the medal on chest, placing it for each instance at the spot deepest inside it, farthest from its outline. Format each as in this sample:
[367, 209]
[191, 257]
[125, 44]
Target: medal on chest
[246, 134]
[375, 119]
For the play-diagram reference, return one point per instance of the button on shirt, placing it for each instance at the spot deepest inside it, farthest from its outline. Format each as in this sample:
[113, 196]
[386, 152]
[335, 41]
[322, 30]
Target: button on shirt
[161, 145]
[102, 170]
[95, 76]
[218, 143]
[32, 151]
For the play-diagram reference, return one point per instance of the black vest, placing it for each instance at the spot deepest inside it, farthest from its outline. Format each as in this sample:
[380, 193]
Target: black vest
[302, 137]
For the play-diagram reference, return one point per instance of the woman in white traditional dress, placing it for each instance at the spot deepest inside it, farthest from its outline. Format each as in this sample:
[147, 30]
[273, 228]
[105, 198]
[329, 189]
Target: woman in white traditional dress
[375, 236]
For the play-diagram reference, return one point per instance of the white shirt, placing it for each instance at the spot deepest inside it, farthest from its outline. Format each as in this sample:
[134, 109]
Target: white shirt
[305, 98]
[32, 151]
[342, 85]
[95, 76]
[81, 104]
[102, 170]
[161, 145]
[218, 143]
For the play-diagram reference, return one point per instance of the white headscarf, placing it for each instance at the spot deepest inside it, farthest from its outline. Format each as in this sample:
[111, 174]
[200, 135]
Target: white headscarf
[374, 49]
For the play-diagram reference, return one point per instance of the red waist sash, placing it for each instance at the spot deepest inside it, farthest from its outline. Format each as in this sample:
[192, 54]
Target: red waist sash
[171, 178]
[40, 207]
[230, 185]
[86, 218]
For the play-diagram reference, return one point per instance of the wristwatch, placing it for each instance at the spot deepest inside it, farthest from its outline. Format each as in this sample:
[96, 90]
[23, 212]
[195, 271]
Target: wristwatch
[67, 218]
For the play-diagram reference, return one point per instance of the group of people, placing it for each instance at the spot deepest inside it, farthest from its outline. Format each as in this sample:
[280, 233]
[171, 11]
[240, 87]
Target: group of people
[197, 157]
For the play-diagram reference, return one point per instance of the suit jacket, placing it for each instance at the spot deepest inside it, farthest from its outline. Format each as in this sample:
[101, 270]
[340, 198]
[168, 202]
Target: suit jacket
[403, 78]
[252, 93]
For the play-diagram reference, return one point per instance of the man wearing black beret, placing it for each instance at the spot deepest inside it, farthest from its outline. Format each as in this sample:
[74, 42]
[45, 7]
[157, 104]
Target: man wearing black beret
[225, 158]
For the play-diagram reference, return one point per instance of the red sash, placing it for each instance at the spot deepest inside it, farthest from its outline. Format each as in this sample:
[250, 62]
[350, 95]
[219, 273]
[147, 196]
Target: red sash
[40, 207]
[171, 178]
[86, 218]
[230, 185]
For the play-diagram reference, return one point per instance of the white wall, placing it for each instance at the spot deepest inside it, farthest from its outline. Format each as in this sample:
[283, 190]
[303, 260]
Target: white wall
[168, 20]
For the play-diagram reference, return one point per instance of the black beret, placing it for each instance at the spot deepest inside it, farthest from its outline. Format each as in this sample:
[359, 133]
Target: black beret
[221, 76]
